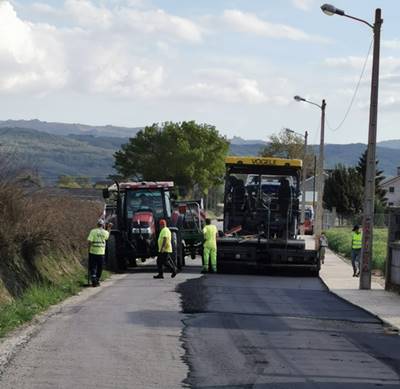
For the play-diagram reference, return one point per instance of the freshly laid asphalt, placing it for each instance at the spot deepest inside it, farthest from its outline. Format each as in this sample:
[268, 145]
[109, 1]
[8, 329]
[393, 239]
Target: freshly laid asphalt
[283, 333]
[212, 331]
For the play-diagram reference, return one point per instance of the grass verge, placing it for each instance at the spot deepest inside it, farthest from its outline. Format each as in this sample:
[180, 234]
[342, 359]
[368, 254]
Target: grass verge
[38, 297]
[340, 242]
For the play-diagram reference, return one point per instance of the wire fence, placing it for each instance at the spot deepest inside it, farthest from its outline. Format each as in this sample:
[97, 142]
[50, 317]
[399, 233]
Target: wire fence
[332, 219]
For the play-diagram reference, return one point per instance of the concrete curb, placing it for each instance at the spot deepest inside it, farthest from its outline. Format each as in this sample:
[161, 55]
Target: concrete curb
[18, 338]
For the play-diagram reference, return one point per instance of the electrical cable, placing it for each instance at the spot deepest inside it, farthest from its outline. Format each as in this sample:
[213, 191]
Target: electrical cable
[354, 94]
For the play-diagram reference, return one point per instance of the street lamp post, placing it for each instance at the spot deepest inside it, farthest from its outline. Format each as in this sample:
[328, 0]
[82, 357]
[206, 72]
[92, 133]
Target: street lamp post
[303, 179]
[369, 190]
[320, 170]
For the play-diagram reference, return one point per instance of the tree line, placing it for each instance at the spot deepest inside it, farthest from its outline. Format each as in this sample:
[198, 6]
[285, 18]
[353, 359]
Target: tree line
[344, 187]
[192, 155]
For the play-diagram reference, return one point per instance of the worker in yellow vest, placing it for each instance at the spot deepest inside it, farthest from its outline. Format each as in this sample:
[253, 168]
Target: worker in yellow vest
[210, 247]
[356, 244]
[97, 248]
[165, 251]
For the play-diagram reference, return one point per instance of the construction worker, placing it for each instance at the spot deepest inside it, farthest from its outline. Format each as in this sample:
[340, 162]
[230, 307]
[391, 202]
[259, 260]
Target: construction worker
[97, 248]
[209, 247]
[165, 251]
[356, 244]
[323, 244]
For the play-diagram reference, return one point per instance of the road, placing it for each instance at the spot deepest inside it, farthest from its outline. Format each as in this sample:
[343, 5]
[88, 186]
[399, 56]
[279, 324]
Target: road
[236, 331]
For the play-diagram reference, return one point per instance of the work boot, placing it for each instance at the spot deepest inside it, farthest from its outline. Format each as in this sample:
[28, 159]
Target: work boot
[204, 271]
[173, 274]
[158, 276]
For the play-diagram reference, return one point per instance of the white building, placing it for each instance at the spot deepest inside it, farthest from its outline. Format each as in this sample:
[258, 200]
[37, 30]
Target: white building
[392, 187]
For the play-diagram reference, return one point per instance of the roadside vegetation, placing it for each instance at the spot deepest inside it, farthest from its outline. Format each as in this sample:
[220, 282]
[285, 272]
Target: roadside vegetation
[340, 242]
[43, 249]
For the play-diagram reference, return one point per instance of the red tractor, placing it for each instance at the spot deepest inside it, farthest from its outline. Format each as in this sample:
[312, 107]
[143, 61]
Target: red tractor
[134, 209]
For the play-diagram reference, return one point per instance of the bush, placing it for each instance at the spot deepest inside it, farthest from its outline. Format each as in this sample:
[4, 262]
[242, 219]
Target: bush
[340, 242]
[35, 226]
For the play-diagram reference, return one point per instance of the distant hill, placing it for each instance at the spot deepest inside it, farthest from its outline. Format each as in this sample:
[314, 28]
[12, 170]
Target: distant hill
[54, 155]
[390, 144]
[72, 128]
[91, 155]
[237, 141]
[389, 158]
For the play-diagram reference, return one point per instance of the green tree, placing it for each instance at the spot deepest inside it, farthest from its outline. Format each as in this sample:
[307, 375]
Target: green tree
[289, 145]
[188, 153]
[380, 193]
[343, 190]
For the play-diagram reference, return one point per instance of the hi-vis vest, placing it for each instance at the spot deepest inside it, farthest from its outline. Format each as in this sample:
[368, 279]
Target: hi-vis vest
[356, 241]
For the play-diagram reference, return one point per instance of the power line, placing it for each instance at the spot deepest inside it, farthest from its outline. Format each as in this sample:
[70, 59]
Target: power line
[354, 94]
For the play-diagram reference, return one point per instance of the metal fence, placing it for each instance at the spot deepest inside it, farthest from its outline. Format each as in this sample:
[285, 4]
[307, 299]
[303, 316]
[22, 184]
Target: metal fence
[393, 253]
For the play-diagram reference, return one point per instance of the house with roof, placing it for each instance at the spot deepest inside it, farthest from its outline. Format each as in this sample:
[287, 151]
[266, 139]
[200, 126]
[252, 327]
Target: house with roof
[392, 187]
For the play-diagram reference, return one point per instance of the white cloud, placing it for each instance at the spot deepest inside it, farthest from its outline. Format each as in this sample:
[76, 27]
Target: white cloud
[387, 64]
[226, 86]
[161, 23]
[31, 58]
[105, 51]
[252, 24]
[304, 5]
[391, 44]
[87, 14]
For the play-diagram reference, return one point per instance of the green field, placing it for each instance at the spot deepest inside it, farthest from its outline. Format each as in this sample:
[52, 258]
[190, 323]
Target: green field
[340, 242]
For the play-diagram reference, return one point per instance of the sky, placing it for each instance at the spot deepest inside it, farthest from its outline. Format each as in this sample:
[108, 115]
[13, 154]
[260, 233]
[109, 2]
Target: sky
[234, 64]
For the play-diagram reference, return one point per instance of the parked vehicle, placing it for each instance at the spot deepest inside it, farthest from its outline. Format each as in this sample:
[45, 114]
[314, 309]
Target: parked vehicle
[309, 221]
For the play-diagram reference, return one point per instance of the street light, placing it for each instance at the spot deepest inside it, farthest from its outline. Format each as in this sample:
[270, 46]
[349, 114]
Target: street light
[369, 191]
[303, 179]
[320, 170]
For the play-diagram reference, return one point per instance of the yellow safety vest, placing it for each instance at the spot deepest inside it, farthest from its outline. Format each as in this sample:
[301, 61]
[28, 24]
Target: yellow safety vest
[165, 233]
[97, 238]
[356, 241]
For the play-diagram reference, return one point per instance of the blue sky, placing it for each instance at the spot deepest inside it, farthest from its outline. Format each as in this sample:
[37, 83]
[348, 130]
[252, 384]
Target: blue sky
[235, 64]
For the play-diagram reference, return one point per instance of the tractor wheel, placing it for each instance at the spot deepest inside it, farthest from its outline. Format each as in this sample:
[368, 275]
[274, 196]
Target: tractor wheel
[114, 261]
[111, 254]
[177, 254]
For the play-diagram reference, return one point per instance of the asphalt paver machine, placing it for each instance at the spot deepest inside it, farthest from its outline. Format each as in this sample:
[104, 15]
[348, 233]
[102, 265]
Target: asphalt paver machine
[261, 215]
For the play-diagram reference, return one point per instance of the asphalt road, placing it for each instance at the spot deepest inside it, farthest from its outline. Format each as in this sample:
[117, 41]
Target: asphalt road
[236, 331]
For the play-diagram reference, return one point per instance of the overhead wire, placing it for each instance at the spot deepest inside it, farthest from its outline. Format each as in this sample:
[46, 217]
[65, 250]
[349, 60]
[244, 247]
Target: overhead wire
[354, 94]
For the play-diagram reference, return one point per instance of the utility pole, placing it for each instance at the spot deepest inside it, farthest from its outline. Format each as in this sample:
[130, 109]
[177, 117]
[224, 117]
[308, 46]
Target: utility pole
[303, 197]
[369, 194]
[315, 175]
[320, 178]
[320, 175]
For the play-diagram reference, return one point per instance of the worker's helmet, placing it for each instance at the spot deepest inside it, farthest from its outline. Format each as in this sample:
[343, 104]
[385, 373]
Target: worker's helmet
[100, 222]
